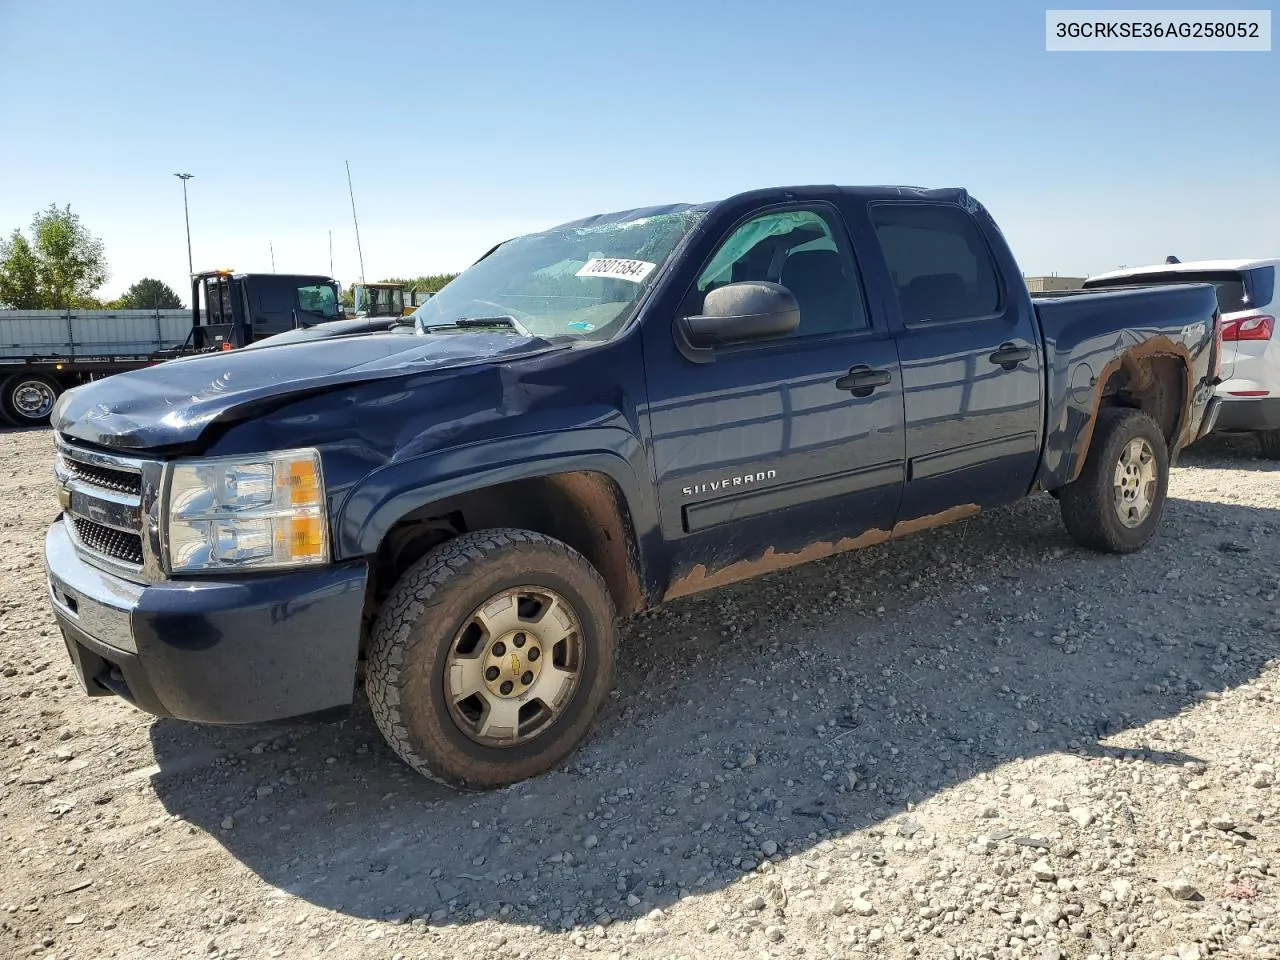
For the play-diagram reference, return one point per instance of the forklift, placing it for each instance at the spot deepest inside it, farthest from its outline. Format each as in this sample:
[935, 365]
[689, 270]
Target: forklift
[230, 309]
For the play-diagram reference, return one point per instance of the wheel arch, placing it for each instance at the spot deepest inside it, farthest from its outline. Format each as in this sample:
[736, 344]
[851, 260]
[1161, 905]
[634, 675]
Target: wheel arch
[592, 503]
[1154, 377]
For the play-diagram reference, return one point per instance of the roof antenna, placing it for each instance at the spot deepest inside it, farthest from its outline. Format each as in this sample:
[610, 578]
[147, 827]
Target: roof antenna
[1171, 259]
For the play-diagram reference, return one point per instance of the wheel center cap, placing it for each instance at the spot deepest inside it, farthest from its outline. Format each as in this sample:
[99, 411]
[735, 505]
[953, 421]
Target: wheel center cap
[512, 664]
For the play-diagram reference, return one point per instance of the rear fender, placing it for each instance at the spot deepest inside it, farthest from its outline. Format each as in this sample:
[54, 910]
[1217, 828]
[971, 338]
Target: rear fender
[1140, 377]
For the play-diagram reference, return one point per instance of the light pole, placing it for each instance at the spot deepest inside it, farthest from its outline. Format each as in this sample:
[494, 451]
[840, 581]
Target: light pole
[184, 177]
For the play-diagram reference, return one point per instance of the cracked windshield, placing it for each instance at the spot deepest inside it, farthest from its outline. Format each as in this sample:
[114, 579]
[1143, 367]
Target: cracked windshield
[567, 282]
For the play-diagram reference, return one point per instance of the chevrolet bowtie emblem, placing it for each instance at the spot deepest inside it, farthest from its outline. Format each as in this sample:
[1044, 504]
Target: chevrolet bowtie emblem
[515, 663]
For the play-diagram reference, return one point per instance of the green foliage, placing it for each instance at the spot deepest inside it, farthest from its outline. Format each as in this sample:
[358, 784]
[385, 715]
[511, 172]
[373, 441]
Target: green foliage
[71, 260]
[428, 283]
[59, 267]
[19, 274]
[149, 294]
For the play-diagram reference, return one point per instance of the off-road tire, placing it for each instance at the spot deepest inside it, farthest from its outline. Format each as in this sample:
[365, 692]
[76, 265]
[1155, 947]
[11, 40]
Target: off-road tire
[1269, 444]
[1088, 502]
[14, 412]
[414, 633]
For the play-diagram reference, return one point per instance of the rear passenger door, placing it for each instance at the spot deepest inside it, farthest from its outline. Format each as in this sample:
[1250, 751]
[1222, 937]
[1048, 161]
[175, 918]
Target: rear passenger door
[971, 361]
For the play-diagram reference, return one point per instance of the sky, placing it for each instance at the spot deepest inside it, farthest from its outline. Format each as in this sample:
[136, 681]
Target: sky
[467, 123]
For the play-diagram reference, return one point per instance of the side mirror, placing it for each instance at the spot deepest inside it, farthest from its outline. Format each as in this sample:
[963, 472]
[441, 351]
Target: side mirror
[737, 312]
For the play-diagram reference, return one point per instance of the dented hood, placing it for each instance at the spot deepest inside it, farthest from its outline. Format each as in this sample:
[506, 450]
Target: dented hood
[171, 404]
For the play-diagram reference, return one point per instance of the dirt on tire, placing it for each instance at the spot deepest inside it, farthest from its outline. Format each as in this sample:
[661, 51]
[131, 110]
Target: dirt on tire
[406, 655]
[1087, 503]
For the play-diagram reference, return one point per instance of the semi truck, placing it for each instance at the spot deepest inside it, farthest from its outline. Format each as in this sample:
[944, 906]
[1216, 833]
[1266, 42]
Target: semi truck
[45, 352]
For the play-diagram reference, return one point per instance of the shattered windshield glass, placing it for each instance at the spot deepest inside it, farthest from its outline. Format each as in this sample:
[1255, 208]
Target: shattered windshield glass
[575, 281]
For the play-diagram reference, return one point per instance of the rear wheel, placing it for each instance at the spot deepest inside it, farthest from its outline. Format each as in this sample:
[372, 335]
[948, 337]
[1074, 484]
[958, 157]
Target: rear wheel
[1116, 503]
[491, 657]
[1269, 443]
[28, 399]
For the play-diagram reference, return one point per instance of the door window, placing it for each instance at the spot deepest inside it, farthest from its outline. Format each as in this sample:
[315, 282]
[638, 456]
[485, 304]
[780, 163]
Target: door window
[320, 299]
[800, 250]
[939, 261]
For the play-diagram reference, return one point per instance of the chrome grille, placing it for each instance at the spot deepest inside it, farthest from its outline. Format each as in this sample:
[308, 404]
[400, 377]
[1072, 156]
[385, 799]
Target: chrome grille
[106, 501]
[116, 544]
[105, 478]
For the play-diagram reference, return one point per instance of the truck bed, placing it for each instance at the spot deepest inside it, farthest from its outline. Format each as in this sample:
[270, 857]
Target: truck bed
[84, 334]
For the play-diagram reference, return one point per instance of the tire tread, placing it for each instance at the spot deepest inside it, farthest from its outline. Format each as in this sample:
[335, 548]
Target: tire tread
[412, 599]
[1086, 503]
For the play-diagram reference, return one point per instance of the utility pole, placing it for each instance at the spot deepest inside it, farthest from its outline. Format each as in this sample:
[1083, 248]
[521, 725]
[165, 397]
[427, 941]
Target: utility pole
[184, 177]
[354, 220]
[272, 247]
[330, 253]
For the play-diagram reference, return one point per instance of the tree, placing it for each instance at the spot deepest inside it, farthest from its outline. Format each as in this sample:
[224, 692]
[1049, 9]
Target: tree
[428, 283]
[70, 260]
[19, 274]
[149, 294]
[59, 267]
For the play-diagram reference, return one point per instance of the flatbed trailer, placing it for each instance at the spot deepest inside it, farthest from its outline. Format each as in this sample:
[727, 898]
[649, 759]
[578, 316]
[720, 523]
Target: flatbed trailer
[46, 352]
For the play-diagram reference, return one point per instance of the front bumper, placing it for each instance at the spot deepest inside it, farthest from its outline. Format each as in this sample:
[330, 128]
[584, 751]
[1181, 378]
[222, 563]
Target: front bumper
[252, 650]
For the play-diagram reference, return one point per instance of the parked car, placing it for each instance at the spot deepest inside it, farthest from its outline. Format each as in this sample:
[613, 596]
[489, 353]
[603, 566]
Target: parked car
[1249, 299]
[590, 421]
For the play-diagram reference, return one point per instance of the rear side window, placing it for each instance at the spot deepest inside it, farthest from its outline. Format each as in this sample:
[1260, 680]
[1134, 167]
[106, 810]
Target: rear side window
[274, 297]
[939, 262]
[1262, 286]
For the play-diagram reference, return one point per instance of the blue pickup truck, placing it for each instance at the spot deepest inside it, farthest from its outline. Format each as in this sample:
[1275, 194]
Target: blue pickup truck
[587, 422]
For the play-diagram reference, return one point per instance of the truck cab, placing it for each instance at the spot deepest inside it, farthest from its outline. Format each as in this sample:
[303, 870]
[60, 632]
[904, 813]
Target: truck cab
[232, 309]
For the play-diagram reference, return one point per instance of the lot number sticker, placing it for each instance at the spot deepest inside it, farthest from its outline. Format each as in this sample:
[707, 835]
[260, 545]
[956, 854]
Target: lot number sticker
[633, 270]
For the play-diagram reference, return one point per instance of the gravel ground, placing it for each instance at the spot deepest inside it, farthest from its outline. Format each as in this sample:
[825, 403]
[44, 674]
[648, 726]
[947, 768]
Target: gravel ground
[981, 742]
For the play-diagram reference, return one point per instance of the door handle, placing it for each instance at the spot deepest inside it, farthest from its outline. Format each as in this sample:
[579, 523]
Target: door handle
[862, 381]
[1009, 356]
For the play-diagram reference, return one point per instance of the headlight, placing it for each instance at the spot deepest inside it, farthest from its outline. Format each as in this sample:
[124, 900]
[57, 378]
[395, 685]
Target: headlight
[255, 512]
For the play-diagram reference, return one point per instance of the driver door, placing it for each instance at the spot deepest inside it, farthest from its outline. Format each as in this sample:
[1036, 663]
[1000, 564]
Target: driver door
[768, 456]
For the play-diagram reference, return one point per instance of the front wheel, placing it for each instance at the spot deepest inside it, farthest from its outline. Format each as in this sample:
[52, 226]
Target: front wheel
[1116, 503]
[28, 399]
[491, 657]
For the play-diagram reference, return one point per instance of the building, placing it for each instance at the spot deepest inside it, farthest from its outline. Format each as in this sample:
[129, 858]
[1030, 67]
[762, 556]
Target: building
[1053, 282]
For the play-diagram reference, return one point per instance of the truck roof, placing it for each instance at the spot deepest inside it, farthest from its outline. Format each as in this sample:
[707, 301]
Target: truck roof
[943, 194]
[1189, 266]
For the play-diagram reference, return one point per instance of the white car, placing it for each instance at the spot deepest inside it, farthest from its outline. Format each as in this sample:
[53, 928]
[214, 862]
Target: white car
[1249, 298]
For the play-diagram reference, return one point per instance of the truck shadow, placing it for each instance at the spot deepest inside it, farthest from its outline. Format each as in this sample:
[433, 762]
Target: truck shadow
[741, 715]
[1234, 452]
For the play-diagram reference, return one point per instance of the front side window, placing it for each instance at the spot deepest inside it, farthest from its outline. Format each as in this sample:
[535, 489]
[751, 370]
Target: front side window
[940, 263]
[576, 281]
[797, 249]
[320, 299]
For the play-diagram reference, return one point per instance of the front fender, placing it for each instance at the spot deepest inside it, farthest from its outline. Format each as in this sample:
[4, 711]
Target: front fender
[374, 505]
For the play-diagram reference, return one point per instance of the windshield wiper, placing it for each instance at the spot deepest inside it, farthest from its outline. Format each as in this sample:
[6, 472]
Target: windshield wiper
[478, 323]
